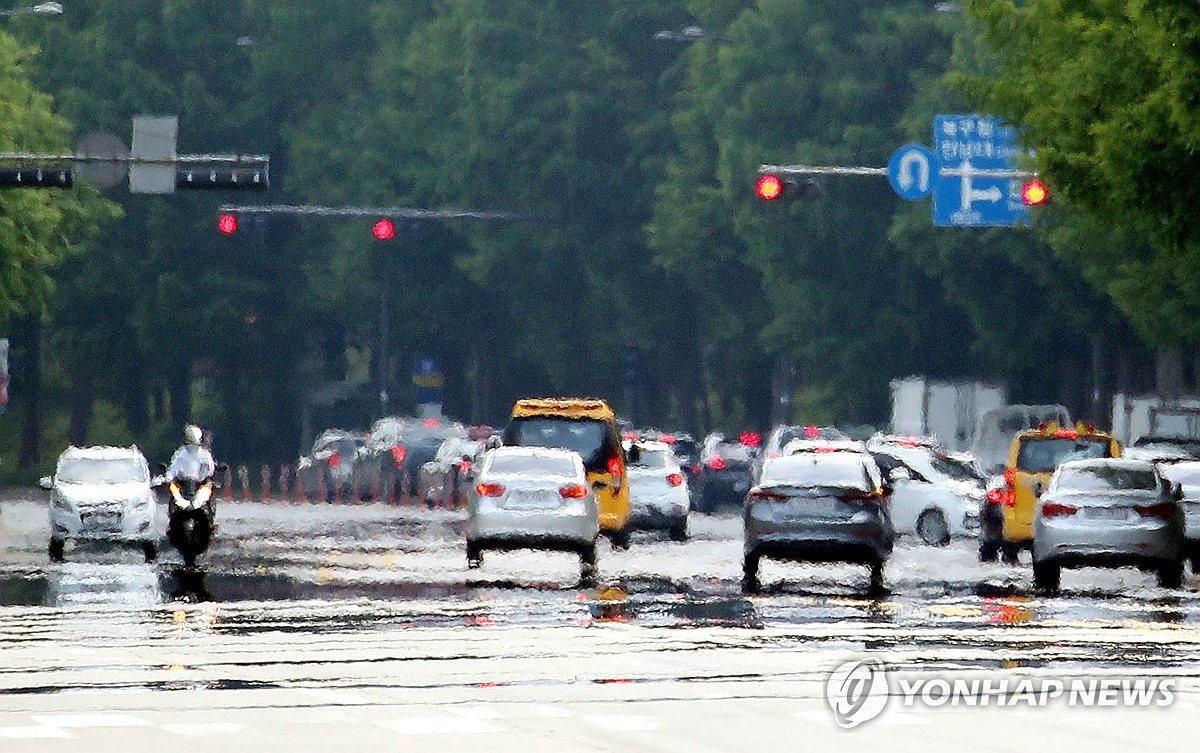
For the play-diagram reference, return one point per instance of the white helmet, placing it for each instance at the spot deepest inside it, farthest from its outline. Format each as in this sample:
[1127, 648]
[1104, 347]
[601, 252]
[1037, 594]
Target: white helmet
[192, 434]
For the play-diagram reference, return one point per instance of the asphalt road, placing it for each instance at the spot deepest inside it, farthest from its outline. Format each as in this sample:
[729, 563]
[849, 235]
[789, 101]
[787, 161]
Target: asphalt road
[316, 627]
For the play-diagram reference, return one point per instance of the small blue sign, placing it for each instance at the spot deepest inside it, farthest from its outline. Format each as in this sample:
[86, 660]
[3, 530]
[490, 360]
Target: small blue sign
[911, 171]
[428, 381]
[976, 181]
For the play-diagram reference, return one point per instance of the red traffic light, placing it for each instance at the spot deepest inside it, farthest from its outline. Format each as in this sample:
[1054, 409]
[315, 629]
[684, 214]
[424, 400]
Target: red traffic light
[227, 224]
[769, 187]
[384, 230]
[1034, 192]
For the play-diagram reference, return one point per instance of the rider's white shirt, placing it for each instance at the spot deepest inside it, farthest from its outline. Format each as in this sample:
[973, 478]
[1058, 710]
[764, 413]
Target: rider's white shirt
[192, 461]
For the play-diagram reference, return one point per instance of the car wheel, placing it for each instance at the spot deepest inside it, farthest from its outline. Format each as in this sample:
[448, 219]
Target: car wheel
[1170, 575]
[587, 564]
[679, 531]
[57, 547]
[620, 539]
[150, 551]
[933, 529]
[989, 551]
[1046, 577]
[1009, 553]
[750, 582]
[474, 556]
[877, 583]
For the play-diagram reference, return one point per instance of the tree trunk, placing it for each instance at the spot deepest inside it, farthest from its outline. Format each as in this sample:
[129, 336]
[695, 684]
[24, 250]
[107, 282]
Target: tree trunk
[30, 369]
[1168, 371]
[82, 404]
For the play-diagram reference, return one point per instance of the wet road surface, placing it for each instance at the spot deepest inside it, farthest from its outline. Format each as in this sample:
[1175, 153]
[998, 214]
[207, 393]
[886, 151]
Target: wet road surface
[365, 619]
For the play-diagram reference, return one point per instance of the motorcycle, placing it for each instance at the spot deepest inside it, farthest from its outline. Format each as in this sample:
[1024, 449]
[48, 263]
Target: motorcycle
[191, 516]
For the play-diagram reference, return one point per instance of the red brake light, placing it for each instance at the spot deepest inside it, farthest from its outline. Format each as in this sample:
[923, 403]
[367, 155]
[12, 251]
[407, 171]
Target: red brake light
[227, 224]
[431, 423]
[996, 496]
[1066, 434]
[384, 230]
[1163, 510]
[489, 490]
[1010, 497]
[464, 466]
[812, 432]
[573, 491]
[667, 439]
[675, 479]
[762, 495]
[335, 460]
[717, 463]
[1057, 510]
[614, 465]
[1010, 477]
[750, 439]
[398, 455]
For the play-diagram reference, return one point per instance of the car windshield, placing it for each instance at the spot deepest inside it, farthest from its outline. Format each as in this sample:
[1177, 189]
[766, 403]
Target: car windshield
[956, 469]
[532, 465]
[1106, 478]
[102, 471]
[1044, 455]
[817, 470]
[592, 439]
[652, 459]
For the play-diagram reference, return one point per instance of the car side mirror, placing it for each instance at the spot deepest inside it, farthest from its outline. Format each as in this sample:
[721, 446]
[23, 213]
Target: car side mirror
[46, 482]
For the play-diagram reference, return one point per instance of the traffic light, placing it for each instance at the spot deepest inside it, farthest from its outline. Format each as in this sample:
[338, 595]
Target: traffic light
[227, 224]
[36, 177]
[208, 179]
[772, 187]
[384, 230]
[1034, 193]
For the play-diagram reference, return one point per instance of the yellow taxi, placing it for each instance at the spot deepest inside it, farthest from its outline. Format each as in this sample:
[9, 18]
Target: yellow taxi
[1032, 459]
[587, 426]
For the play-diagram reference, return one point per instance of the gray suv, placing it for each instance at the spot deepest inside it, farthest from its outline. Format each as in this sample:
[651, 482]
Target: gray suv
[818, 507]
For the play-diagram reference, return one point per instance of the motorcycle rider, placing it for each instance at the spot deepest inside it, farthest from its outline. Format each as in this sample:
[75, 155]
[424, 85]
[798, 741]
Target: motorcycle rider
[192, 460]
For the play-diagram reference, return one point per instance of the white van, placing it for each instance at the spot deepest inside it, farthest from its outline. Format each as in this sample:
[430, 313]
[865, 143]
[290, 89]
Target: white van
[994, 437]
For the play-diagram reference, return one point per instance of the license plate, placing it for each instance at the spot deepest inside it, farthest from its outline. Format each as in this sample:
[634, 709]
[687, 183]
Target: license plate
[105, 520]
[1107, 513]
[533, 502]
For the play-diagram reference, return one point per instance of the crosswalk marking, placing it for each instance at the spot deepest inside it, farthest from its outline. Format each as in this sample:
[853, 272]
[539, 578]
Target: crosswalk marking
[84, 721]
[197, 730]
[440, 725]
[39, 732]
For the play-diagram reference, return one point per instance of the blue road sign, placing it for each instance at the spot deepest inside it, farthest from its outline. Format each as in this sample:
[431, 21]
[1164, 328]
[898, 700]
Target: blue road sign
[428, 381]
[911, 171]
[977, 182]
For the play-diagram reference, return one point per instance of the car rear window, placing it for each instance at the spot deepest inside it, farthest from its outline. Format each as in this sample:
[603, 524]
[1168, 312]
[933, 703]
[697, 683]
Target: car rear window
[1044, 455]
[532, 465]
[1107, 478]
[845, 471]
[592, 439]
[652, 459]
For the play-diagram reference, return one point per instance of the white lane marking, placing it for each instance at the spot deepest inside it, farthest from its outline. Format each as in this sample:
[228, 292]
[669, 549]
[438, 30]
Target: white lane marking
[210, 728]
[332, 695]
[34, 733]
[623, 722]
[476, 712]
[83, 721]
[440, 725]
[552, 712]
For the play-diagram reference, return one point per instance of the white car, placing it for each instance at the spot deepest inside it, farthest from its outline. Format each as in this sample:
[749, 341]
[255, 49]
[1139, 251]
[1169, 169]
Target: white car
[658, 490]
[101, 493]
[934, 496]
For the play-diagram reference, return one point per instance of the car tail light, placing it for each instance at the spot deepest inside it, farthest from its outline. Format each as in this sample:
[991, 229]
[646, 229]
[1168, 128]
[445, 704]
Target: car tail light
[812, 432]
[398, 455]
[1057, 510]
[573, 491]
[717, 463]
[667, 439]
[1066, 434]
[1010, 498]
[862, 497]
[489, 490]
[996, 496]
[614, 465]
[695, 469]
[335, 460]
[1162, 510]
[464, 466]
[675, 479]
[750, 438]
[1010, 478]
[763, 495]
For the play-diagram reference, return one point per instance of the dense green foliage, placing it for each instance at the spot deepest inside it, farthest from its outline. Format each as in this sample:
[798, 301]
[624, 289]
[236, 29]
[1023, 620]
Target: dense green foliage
[637, 156]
